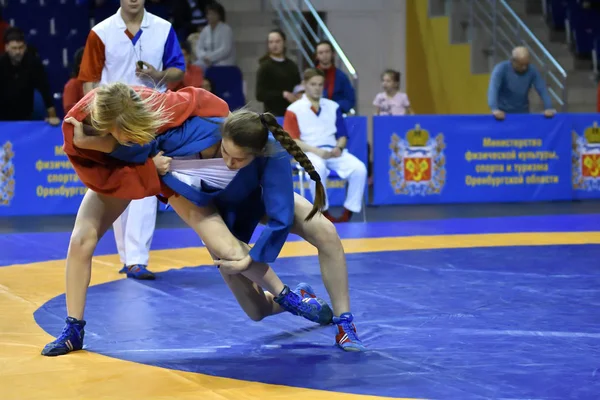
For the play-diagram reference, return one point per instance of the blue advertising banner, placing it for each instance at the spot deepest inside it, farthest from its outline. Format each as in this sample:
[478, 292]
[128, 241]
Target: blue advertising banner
[36, 178]
[417, 159]
[585, 136]
[464, 159]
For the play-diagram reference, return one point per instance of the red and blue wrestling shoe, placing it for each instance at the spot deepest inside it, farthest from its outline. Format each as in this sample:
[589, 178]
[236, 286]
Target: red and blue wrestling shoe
[302, 301]
[138, 271]
[345, 333]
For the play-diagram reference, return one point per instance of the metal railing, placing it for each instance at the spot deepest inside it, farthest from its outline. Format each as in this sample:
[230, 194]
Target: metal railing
[297, 27]
[502, 31]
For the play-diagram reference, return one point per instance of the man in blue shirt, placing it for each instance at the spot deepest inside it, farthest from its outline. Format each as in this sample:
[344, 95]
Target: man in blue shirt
[510, 83]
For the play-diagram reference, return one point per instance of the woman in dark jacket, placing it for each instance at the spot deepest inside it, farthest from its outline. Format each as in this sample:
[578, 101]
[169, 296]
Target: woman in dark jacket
[277, 76]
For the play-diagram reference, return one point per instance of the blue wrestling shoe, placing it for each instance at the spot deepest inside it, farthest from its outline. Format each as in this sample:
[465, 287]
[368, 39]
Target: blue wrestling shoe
[303, 302]
[71, 339]
[345, 333]
[305, 291]
[138, 271]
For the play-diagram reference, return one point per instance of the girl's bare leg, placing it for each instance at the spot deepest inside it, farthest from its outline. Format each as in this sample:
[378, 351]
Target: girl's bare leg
[247, 287]
[255, 302]
[96, 214]
[321, 233]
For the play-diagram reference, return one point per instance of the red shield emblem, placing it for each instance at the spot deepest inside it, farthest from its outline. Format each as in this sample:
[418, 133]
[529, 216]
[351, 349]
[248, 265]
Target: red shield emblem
[417, 169]
[590, 165]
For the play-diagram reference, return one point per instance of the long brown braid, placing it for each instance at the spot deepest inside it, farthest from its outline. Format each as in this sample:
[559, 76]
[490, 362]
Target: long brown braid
[294, 150]
[250, 130]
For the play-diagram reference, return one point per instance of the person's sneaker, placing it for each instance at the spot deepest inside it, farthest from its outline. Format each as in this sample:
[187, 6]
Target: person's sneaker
[71, 339]
[304, 303]
[137, 271]
[345, 333]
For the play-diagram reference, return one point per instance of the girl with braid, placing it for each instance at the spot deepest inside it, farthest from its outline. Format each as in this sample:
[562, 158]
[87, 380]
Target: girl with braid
[250, 140]
[222, 186]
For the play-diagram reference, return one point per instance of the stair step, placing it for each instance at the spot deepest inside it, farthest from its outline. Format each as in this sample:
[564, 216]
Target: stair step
[534, 7]
[581, 79]
[526, 7]
[257, 34]
[575, 96]
[250, 49]
[557, 48]
[534, 22]
[249, 18]
[566, 61]
[582, 108]
[249, 65]
[541, 32]
[246, 5]
[537, 106]
[579, 95]
[519, 6]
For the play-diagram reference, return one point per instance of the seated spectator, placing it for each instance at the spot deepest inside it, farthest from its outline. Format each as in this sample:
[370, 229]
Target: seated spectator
[391, 101]
[73, 91]
[215, 45]
[510, 82]
[193, 73]
[21, 73]
[318, 127]
[337, 85]
[277, 76]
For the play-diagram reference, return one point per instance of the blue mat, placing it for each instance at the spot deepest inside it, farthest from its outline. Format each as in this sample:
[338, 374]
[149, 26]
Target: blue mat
[483, 323]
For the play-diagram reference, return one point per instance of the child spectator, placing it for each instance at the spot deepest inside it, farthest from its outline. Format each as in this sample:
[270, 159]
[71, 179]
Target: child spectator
[391, 101]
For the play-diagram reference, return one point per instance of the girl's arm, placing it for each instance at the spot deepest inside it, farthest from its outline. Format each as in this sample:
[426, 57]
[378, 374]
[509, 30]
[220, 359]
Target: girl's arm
[102, 143]
[108, 144]
[99, 173]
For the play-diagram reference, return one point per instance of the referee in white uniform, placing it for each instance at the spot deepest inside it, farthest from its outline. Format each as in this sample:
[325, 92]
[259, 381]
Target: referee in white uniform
[114, 51]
